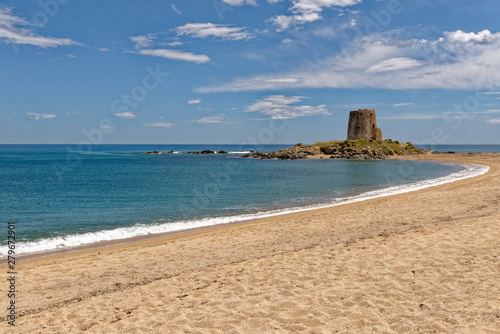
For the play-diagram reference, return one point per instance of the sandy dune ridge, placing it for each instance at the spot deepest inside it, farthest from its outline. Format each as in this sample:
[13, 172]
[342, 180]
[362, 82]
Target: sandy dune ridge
[426, 261]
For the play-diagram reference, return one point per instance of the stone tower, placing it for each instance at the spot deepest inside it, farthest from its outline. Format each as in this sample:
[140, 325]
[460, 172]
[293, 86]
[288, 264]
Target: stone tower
[363, 125]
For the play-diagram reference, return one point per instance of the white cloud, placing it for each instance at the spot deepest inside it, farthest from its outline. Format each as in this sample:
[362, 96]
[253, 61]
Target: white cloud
[306, 6]
[11, 31]
[490, 93]
[174, 8]
[204, 30]
[484, 36]
[176, 55]
[394, 64]
[38, 116]
[286, 41]
[446, 115]
[143, 41]
[70, 55]
[194, 101]
[126, 115]
[159, 125]
[217, 119]
[403, 104]
[175, 43]
[104, 49]
[282, 107]
[413, 116]
[307, 11]
[240, 2]
[493, 121]
[388, 62]
[283, 22]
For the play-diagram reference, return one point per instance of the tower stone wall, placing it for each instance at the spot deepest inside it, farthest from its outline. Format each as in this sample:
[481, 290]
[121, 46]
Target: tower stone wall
[363, 125]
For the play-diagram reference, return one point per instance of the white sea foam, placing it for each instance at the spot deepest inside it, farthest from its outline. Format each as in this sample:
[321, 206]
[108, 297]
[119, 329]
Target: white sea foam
[240, 152]
[63, 242]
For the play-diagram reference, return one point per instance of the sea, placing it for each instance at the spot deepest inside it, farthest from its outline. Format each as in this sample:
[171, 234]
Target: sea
[64, 196]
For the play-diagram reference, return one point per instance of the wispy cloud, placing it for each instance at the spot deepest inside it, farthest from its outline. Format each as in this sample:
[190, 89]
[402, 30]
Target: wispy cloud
[394, 64]
[240, 2]
[493, 121]
[282, 107]
[174, 8]
[125, 115]
[194, 101]
[143, 41]
[204, 30]
[403, 104]
[13, 30]
[217, 119]
[304, 11]
[489, 93]
[39, 116]
[176, 55]
[175, 43]
[143, 45]
[413, 116]
[159, 125]
[445, 115]
[386, 62]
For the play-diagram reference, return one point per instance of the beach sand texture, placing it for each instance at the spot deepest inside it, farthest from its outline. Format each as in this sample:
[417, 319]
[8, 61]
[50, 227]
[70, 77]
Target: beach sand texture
[422, 262]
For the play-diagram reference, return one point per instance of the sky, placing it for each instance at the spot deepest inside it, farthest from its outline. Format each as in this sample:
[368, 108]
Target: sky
[247, 71]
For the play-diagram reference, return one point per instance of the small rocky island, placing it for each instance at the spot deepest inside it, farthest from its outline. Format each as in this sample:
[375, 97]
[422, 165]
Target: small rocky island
[361, 149]
[364, 141]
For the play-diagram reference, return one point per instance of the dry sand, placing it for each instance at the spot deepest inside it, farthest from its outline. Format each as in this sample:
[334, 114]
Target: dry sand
[426, 261]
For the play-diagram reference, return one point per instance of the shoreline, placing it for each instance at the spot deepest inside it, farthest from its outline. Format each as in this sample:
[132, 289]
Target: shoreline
[384, 192]
[425, 261]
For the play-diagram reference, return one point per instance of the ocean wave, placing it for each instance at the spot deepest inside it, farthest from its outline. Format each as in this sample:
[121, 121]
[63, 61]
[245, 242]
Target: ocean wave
[239, 152]
[74, 240]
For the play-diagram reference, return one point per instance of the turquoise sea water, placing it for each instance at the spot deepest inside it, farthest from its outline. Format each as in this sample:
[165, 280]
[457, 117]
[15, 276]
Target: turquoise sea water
[61, 196]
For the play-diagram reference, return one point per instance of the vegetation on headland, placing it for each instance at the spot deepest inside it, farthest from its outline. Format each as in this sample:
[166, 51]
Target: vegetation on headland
[387, 147]
[345, 149]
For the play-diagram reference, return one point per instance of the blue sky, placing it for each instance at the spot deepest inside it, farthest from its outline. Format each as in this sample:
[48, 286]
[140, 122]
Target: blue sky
[248, 71]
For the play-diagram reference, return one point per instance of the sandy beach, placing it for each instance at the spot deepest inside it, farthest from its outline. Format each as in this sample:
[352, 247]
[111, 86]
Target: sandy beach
[421, 262]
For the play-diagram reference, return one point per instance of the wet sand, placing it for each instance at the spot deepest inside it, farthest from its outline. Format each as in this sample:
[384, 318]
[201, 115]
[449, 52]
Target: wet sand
[425, 261]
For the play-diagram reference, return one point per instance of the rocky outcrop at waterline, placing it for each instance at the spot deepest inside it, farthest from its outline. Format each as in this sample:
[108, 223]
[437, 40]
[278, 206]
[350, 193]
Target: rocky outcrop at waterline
[158, 152]
[299, 151]
[206, 151]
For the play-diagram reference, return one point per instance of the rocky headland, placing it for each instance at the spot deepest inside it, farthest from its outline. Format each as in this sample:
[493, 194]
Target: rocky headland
[360, 149]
